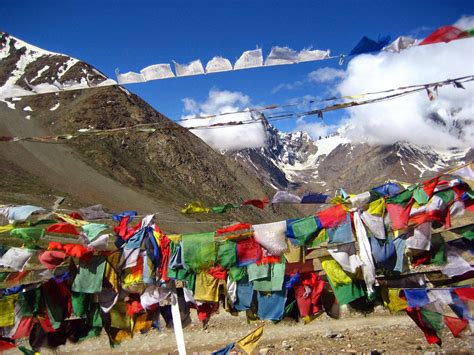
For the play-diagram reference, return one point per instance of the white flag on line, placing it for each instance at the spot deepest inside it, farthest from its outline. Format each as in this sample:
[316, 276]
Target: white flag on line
[281, 55]
[218, 64]
[193, 68]
[308, 55]
[130, 77]
[249, 59]
[157, 71]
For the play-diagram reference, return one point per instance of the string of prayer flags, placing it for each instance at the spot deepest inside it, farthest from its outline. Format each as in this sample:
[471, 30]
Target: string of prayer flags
[245, 264]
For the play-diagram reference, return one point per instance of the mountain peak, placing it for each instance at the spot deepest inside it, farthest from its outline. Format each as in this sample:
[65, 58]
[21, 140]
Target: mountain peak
[28, 69]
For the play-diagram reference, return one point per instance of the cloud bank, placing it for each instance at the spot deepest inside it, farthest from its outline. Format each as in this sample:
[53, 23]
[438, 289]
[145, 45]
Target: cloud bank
[230, 138]
[445, 122]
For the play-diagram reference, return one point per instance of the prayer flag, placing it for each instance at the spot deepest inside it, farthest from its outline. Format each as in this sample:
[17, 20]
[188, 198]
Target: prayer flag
[455, 325]
[281, 55]
[224, 351]
[444, 34]
[367, 45]
[249, 342]
[314, 197]
[249, 59]
[195, 207]
[417, 297]
[193, 68]
[465, 293]
[157, 71]
[218, 64]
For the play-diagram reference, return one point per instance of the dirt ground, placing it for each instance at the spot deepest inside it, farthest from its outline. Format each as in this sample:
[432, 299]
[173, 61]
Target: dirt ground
[377, 333]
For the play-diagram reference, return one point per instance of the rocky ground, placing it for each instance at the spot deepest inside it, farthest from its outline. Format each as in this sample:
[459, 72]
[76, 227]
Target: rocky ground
[377, 333]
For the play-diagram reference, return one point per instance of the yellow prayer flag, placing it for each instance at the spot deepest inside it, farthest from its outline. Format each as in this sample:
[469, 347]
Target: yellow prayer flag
[377, 207]
[249, 342]
[195, 207]
[175, 238]
[70, 220]
[392, 300]
[6, 229]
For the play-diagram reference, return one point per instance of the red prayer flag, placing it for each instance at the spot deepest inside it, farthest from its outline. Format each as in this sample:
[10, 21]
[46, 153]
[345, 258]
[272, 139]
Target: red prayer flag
[332, 216]
[430, 333]
[76, 215]
[133, 307]
[444, 34]
[465, 293]
[234, 228]
[24, 328]
[248, 251]
[218, 272]
[399, 215]
[430, 185]
[63, 228]
[455, 325]
[257, 203]
[5, 345]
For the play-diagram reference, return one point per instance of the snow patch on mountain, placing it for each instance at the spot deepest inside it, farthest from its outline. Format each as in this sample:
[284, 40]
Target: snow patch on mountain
[328, 144]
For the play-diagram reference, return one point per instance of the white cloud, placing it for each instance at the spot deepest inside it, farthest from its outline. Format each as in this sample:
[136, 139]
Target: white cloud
[250, 135]
[465, 23]
[408, 118]
[326, 74]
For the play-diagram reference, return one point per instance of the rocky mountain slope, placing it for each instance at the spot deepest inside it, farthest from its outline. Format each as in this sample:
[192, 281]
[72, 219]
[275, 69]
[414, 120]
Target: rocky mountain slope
[150, 171]
[296, 162]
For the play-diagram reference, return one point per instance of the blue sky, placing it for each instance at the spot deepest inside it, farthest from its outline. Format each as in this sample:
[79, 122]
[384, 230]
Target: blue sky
[130, 35]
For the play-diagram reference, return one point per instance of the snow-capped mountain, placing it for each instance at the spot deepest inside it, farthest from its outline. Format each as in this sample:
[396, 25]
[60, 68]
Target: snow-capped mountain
[28, 69]
[296, 161]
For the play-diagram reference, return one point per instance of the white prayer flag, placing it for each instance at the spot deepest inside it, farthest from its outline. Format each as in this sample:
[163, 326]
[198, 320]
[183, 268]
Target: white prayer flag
[281, 55]
[400, 44]
[218, 64]
[193, 68]
[130, 77]
[157, 71]
[249, 59]
[308, 55]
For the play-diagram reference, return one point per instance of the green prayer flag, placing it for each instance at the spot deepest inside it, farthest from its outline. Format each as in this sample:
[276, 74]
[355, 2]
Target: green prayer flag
[438, 250]
[237, 273]
[257, 272]
[348, 293]
[420, 196]
[226, 254]
[446, 195]
[401, 199]
[90, 275]
[434, 319]
[224, 208]
[275, 280]
[26, 351]
[92, 230]
[31, 235]
[320, 238]
[304, 229]
[81, 303]
[199, 251]
[30, 302]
